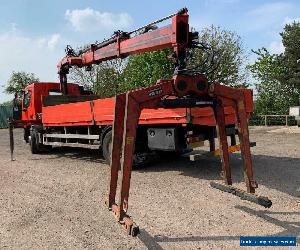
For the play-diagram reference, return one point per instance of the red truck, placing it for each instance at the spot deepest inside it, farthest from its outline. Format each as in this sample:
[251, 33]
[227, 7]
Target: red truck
[82, 119]
[170, 115]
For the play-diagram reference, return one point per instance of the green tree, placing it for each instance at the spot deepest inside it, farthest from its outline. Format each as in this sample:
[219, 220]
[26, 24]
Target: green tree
[274, 95]
[116, 76]
[225, 65]
[19, 80]
[145, 69]
[225, 60]
[103, 79]
[107, 82]
[278, 81]
[291, 42]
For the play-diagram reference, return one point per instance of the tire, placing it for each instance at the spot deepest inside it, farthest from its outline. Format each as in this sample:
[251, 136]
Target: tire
[107, 147]
[107, 150]
[26, 134]
[34, 143]
[298, 123]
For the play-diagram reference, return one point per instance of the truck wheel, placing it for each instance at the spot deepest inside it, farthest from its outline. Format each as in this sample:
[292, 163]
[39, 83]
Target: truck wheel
[26, 134]
[298, 123]
[107, 147]
[138, 159]
[34, 143]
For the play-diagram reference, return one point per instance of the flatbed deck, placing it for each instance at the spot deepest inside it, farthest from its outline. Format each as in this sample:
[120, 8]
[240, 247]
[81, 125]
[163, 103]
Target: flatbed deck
[100, 112]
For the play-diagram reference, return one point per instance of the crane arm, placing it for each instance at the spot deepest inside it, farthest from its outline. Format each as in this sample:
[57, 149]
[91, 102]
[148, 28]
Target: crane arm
[175, 36]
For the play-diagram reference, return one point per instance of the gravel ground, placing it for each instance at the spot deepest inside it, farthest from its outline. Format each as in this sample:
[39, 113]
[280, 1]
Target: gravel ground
[56, 200]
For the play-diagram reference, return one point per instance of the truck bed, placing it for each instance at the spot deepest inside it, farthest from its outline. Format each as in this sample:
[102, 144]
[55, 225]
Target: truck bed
[101, 112]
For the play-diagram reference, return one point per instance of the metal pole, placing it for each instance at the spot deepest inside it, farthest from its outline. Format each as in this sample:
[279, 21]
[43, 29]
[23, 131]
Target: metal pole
[11, 139]
[286, 120]
[179, 12]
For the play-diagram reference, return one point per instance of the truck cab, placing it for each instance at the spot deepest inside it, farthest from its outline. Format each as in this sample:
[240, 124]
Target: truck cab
[32, 98]
[31, 104]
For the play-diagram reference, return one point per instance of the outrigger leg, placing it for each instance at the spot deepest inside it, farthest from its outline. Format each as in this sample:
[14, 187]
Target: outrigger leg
[11, 138]
[127, 113]
[237, 101]
[221, 131]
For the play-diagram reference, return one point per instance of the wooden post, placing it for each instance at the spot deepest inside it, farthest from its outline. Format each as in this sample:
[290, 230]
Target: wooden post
[265, 120]
[286, 120]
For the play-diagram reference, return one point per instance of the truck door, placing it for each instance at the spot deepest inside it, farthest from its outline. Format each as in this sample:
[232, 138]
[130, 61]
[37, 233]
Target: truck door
[27, 112]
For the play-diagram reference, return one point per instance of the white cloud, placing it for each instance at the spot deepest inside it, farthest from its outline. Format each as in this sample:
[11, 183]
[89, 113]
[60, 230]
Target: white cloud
[93, 20]
[268, 16]
[53, 41]
[276, 47]
[49, 42]
[14, 27]
[38, 55]
[271, 8]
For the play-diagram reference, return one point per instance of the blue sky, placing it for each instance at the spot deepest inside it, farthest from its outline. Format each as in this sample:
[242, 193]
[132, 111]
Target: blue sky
[33, 34]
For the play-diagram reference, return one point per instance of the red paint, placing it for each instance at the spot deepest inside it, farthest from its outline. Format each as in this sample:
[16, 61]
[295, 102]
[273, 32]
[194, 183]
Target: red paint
[80, 114]
[37, 91]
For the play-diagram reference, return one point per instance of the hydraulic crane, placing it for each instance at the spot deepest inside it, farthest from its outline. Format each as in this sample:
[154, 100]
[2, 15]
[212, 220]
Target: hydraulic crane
[189, 89]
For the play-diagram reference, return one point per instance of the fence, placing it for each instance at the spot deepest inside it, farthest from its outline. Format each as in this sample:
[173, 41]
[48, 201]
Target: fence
[5, 113]
[269, 120]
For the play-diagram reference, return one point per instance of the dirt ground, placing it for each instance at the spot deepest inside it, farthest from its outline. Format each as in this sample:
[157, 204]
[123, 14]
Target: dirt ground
[56, 200]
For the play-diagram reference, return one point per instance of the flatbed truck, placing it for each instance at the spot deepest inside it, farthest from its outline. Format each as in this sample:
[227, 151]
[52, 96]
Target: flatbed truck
[82, 119]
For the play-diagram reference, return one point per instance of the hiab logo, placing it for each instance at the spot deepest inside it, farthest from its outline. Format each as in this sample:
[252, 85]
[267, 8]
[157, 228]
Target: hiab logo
[154, 92]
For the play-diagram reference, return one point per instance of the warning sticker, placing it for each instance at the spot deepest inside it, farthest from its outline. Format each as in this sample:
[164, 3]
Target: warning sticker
[129, 140]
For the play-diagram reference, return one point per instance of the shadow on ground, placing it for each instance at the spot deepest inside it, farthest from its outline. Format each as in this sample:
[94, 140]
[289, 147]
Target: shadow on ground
[80, 154]
[290, 228]
[280, 173]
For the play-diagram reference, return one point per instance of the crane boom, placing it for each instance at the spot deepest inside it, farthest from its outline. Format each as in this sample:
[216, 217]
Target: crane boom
[175, 36]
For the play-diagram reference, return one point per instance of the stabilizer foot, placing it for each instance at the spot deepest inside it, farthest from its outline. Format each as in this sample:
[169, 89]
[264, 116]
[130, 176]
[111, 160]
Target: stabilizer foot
[127, 222]
[260, 200]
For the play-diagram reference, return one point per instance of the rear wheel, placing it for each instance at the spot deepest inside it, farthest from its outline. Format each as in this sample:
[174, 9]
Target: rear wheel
[34, 141]
[107, 147]
[138, 158]
[26, 134]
